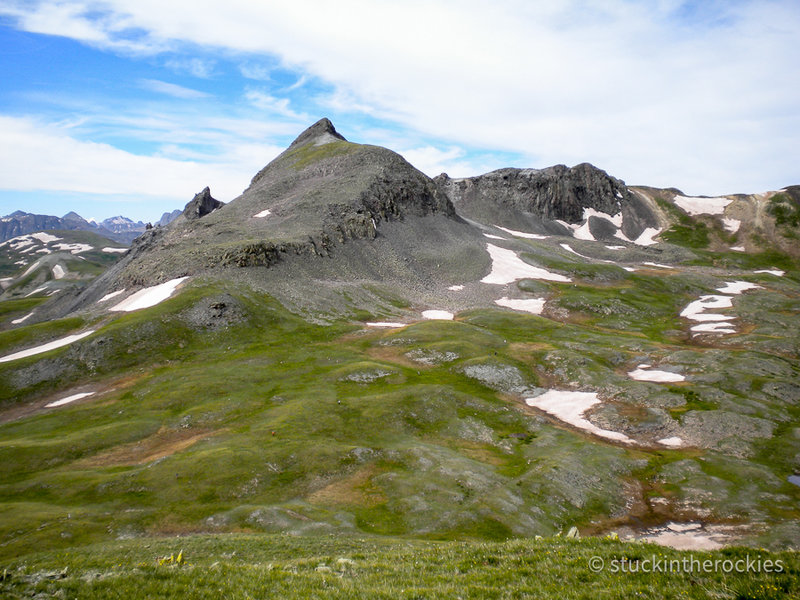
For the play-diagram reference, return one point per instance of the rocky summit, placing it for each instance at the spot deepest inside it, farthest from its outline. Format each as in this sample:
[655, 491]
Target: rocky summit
[352, 347]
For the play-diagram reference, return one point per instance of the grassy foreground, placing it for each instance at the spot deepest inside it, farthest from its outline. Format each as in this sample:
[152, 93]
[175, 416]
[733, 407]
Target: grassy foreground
[281, 566]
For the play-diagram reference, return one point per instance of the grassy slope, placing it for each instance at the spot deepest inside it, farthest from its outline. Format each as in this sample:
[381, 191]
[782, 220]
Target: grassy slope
[259, 566]
[367, 440]
[186, 441]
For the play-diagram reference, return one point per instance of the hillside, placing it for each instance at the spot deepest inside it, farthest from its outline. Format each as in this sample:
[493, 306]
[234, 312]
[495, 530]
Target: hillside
[352, 348]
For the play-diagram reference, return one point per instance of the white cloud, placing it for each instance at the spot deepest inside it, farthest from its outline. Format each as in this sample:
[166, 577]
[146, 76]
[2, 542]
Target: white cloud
[62, 162]
[171, 89]
[432, 161]
[707, 101]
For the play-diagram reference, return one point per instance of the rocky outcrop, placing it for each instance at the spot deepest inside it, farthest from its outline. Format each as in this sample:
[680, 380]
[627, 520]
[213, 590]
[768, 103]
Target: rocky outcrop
[201, 205]
[548, 195]
[557, 192]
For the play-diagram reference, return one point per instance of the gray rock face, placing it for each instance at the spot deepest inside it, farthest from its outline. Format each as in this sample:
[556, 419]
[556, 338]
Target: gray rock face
[551, 194]
[201, 205]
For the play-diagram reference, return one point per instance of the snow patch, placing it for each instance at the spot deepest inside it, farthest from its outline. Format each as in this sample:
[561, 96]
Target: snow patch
[583, 233]
[59, 272]
[19, 243]
[672, 442]
[616, 247]
[110, 296]
[507, 267]
[645, 238]
[776, 272]
[69, 399]
[262, 214]
[148, 296]
[616, 220]
[695, 311]
[33, 267]
[22, 319]
[492, 237]
[737, 287]
[45, 238]
[702, 206]
[456, 288]
[74, 248]
[531, 305]
[110, 250]
[660, 266]
[36, 291]
[645, 373]
[441, 315]
[731, 225]
[385, 324]
[65, 341]
[522, 234]
[713, 328]
[570, 407]
[739, 248]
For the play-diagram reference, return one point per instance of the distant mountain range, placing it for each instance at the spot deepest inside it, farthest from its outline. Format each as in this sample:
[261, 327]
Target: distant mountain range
[119, 228]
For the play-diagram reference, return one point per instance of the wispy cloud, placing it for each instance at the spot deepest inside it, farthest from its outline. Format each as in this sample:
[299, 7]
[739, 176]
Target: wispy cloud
[197, 67]
[254, 71]
[64, 162]
[171, 89]
[270, 104]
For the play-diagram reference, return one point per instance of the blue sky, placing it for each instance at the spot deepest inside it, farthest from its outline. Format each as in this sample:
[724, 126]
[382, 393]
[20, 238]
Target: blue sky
[120, 107]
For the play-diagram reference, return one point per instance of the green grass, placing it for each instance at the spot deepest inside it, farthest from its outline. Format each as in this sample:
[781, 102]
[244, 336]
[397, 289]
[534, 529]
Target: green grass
[766, 259]
[261, 566]
[261, 426]
[13, 309]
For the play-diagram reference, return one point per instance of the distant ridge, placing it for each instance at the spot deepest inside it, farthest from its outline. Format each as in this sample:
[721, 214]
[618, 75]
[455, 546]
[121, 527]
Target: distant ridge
[118, 228]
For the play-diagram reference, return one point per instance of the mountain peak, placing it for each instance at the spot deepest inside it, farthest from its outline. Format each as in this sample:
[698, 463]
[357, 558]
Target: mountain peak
[73, 216]
[319, 133]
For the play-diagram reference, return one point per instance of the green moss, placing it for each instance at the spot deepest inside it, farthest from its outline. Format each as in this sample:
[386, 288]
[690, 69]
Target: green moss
[309, 153]
[693, 401]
